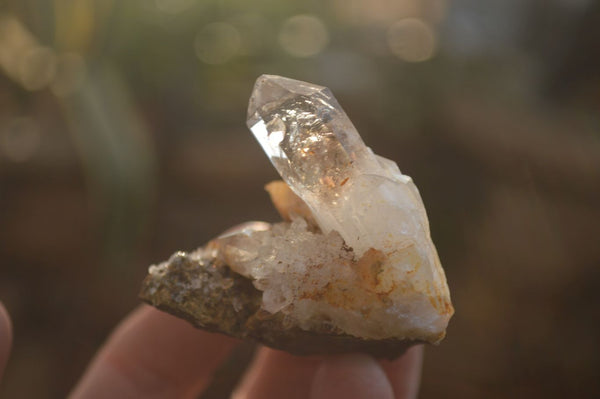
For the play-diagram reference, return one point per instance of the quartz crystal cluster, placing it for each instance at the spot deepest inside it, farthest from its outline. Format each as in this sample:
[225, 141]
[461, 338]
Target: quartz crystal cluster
[354, 256]
[374, 271]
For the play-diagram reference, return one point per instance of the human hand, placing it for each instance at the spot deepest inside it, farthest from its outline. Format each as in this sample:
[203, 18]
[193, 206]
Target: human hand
[154, 355]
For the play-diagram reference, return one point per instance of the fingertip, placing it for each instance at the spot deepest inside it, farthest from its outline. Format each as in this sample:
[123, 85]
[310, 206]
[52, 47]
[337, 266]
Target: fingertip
[351, 376]
[154, 354]
[6, 336]
[277, 374]
[404, 373]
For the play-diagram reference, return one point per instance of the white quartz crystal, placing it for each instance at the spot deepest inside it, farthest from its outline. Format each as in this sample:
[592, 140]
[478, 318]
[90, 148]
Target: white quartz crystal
[372, 271]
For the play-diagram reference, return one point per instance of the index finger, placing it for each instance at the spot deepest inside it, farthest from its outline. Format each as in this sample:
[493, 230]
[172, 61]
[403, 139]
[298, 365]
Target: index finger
[154, 355]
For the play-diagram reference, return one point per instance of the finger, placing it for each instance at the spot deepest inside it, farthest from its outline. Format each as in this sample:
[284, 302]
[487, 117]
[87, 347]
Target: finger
[5, 338]
[276, 374]
[405, 373]
[352, 376]
[154, 355]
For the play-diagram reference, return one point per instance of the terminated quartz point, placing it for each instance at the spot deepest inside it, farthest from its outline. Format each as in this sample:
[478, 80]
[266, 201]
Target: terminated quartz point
[320, 155]
[351, 268]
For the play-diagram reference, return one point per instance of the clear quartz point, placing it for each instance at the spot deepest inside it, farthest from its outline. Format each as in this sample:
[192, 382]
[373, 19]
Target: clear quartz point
[363, 197]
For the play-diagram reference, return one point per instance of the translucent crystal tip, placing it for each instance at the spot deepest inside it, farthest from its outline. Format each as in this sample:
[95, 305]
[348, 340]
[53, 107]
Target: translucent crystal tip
[273, 89]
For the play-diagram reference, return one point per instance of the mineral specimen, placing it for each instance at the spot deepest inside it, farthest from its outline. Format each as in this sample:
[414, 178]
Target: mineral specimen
[351, 268]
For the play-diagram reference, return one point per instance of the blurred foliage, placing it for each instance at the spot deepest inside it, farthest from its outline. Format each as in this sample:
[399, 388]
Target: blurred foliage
[123, 139]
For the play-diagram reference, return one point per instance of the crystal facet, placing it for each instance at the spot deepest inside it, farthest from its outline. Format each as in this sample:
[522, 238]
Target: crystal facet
[353, 192]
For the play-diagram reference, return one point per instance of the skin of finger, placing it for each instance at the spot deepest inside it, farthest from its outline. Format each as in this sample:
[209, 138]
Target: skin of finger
[5, 338]
[350, 376]
[152, 354]
[404, 373]
[276, 374]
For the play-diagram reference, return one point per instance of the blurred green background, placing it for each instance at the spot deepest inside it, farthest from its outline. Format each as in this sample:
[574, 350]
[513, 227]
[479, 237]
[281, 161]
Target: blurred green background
[123, 139]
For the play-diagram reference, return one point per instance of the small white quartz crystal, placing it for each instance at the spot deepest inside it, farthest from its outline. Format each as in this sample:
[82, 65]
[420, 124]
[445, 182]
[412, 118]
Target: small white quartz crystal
[372, 270]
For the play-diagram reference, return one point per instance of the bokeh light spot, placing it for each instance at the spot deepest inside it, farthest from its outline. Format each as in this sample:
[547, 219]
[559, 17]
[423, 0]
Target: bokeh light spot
[303, 36]
[411, 40]
[217, 43]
